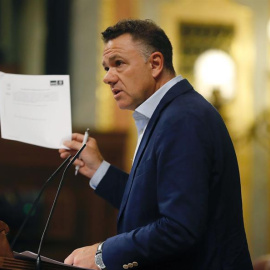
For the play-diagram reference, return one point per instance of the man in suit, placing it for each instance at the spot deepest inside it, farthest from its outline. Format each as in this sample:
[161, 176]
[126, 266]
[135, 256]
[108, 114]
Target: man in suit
[180, 206]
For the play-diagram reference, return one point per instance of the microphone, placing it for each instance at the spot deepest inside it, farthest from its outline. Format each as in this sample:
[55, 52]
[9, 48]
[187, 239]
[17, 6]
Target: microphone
[35, 203]
[38, 261]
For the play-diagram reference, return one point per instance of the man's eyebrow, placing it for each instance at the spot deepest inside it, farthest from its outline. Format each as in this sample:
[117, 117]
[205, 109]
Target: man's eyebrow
[111, 58]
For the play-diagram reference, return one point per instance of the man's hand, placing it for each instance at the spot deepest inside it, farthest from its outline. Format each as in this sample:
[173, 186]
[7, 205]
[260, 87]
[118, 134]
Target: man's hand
[90, 157]
[83, 257]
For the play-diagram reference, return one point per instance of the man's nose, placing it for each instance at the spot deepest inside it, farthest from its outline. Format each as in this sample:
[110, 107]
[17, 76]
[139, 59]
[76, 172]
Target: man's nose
[110, 77]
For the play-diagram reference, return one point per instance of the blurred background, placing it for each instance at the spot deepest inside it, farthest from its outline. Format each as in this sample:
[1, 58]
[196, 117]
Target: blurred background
[220, 46]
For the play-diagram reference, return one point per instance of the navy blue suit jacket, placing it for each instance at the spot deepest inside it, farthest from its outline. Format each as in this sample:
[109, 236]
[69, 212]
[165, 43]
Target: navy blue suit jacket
[180, 207]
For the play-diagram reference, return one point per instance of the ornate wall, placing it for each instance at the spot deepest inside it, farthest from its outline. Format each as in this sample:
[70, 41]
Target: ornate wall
[236, 26]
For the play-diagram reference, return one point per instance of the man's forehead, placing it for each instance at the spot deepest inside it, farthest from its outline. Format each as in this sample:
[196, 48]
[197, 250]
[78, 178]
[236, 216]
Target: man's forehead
[111, 54]
[122, 43]
[114, 47]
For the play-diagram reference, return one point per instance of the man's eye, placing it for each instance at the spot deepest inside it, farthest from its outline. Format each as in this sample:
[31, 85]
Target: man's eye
[118, 63]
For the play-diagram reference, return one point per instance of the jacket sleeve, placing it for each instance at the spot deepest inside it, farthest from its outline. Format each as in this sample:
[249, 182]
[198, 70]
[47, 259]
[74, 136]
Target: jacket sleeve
[112, 186]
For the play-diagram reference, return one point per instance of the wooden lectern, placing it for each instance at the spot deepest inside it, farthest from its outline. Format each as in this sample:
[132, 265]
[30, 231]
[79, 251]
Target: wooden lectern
[8, 262]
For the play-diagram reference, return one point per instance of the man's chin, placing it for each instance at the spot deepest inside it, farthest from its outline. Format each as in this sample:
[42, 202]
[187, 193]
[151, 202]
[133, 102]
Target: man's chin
[126, 107]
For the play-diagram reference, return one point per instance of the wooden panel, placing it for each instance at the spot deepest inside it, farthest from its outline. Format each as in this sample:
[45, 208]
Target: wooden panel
[80, 217]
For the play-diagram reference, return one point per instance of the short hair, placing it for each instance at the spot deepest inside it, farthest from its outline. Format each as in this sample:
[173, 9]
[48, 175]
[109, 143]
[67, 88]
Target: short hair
[150, 34]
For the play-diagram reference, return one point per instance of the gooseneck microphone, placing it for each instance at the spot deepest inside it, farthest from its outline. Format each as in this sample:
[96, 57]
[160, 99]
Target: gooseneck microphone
[35, 203]
[38, 261]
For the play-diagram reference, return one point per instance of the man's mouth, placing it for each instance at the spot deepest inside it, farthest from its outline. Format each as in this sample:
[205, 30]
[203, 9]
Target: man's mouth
[115, 92]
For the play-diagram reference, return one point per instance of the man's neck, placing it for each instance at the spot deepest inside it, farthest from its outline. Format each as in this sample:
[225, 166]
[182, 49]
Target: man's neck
[164, 78]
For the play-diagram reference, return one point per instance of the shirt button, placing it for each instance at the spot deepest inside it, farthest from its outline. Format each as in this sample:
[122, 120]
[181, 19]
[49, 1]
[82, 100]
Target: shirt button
[130, 265]
[125, 266]
[135, 264]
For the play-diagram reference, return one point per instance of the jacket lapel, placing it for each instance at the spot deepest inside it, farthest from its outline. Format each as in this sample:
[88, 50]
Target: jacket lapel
[178, 89]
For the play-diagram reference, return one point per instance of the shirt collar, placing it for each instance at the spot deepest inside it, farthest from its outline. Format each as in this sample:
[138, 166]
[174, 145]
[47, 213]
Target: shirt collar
[147, 108]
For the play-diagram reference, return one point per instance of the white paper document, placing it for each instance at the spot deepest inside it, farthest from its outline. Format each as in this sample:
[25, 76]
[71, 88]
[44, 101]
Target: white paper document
[35, 109]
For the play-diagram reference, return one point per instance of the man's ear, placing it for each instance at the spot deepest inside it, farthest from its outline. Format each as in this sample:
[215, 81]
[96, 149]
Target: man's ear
[157, 63]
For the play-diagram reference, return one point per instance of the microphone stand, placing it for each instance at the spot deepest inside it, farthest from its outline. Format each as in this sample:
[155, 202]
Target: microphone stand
[34, 205]
[38, 261]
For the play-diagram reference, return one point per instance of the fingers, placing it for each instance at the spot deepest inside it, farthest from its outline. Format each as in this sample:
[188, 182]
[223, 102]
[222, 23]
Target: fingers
[64, 153]
[90, 158]
[77, 137]
[73, 146]
[70, 259]
[83, 257]
[62, 150]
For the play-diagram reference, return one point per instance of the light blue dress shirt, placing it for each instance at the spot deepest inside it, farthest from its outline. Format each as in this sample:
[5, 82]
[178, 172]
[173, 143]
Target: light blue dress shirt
[141, 115]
